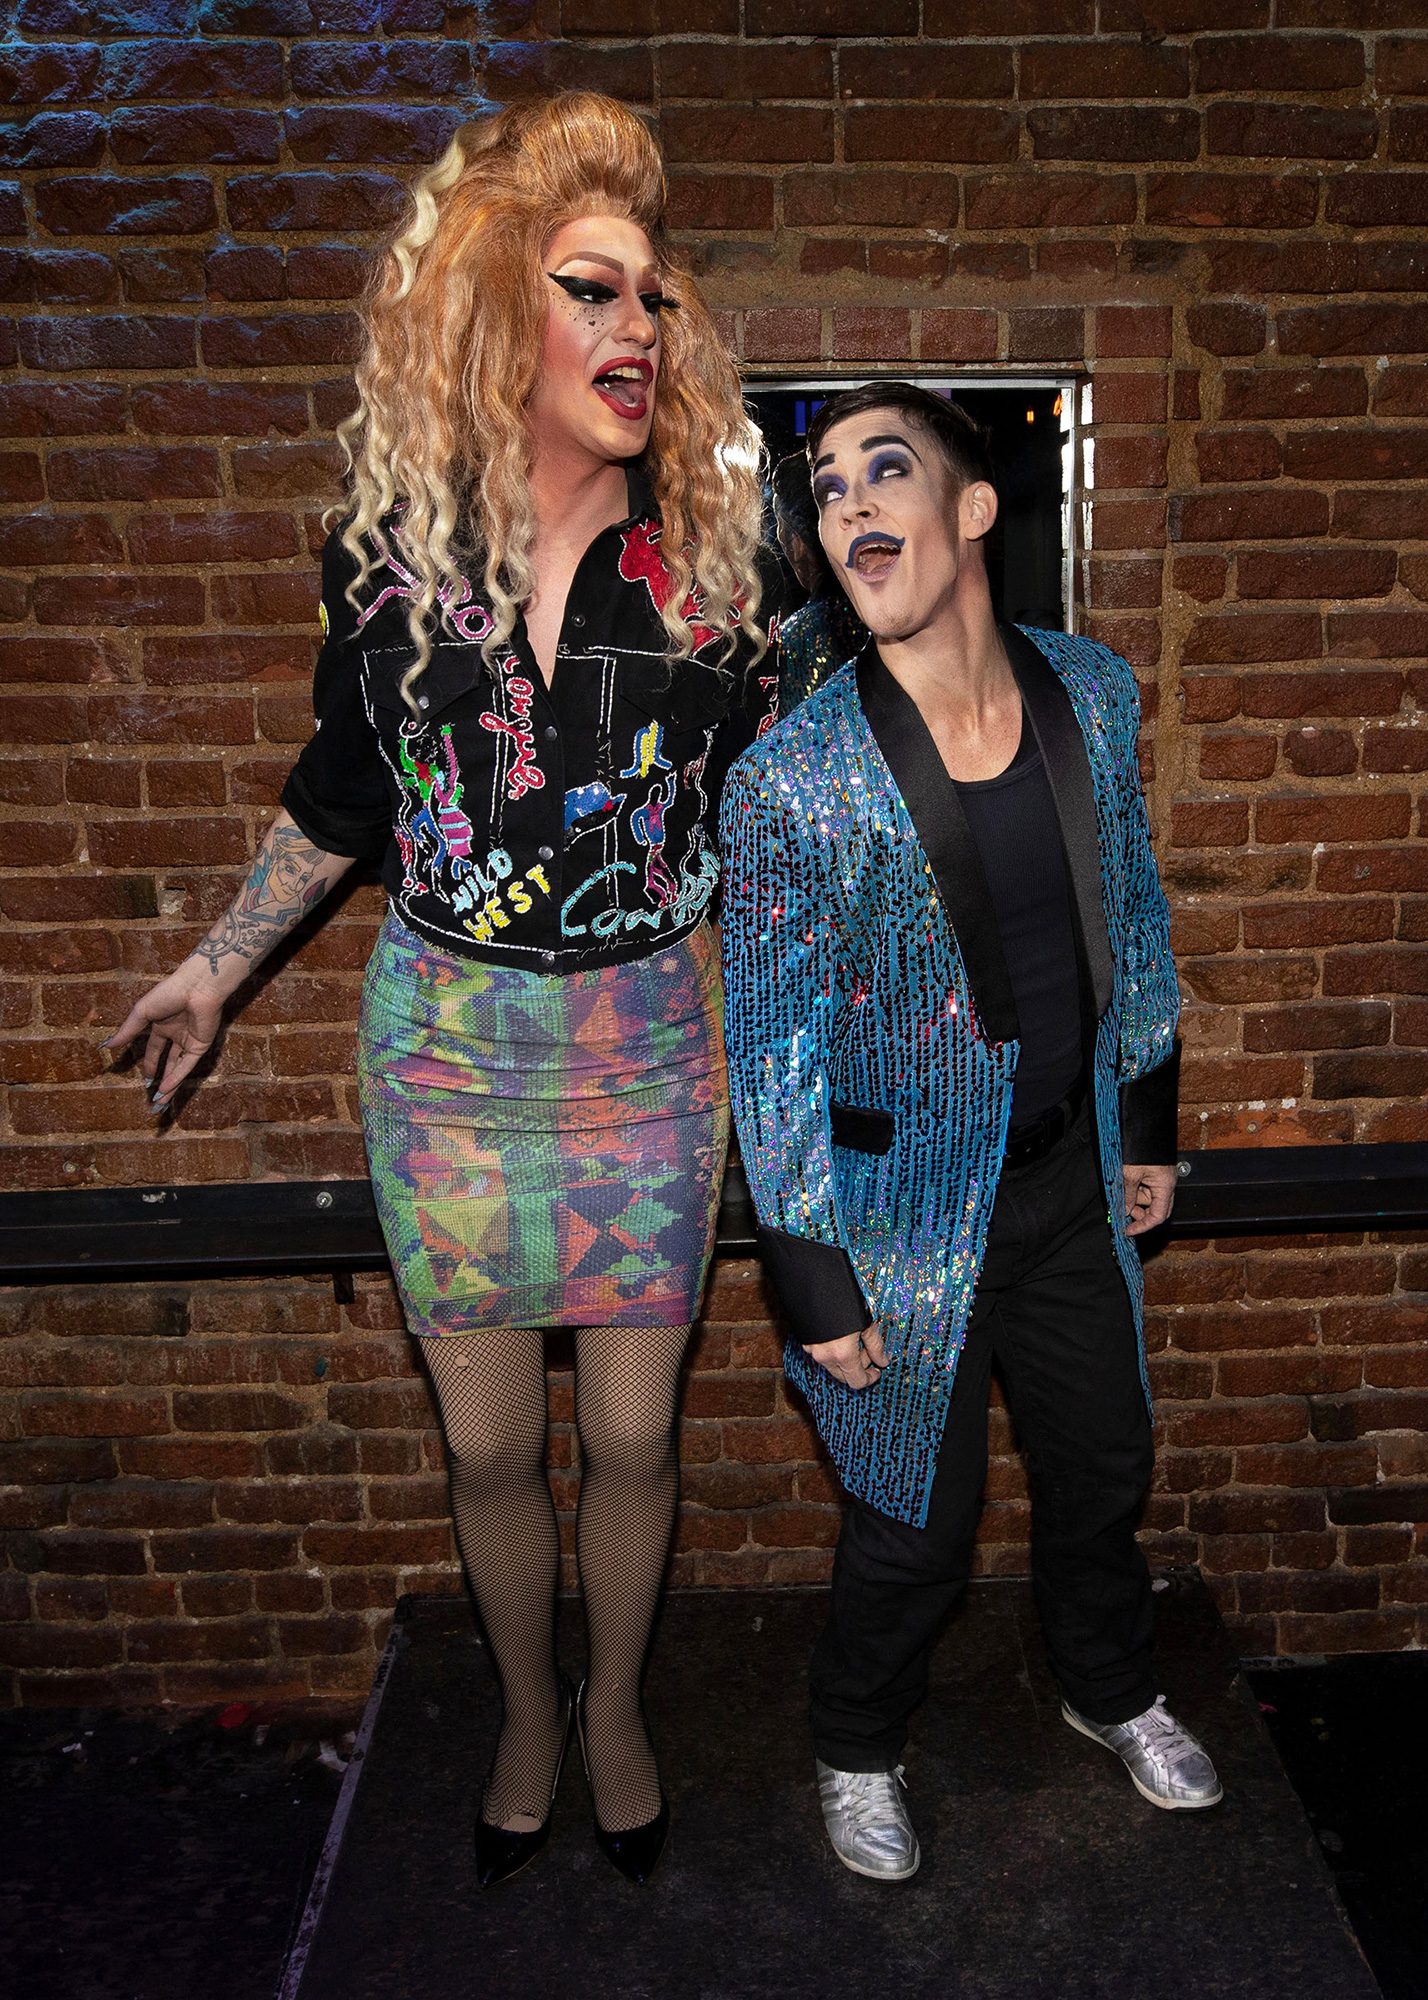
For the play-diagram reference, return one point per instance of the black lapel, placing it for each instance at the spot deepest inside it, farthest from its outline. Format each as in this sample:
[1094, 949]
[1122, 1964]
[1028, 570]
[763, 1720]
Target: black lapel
[931, 797]
[1063, 753]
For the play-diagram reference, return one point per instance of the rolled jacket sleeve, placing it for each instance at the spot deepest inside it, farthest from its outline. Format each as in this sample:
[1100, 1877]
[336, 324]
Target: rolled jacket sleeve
[337, 791]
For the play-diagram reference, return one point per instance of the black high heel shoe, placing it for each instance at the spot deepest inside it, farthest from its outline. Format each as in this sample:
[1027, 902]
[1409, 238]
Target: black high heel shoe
[502, 1851]
[636, 1851]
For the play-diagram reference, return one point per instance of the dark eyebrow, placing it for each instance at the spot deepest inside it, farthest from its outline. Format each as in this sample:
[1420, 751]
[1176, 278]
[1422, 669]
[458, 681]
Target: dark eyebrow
[890, 437]
[867, 444]
[649, 275]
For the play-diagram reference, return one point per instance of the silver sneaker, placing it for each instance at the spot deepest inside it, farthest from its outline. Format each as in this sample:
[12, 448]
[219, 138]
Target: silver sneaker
[867, 1822]
[1168, 1765]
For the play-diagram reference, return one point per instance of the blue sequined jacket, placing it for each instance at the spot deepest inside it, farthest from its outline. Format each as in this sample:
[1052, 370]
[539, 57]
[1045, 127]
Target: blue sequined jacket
[871, 1026]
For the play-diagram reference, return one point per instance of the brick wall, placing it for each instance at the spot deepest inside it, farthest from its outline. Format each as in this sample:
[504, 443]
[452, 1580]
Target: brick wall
[1214, 211]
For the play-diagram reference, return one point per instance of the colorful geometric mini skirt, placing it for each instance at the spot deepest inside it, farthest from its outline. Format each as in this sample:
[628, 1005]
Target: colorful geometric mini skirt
[546, 1150]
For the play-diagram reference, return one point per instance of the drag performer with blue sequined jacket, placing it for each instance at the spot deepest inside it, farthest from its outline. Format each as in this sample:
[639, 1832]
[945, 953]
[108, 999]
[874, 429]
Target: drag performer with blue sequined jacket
[951, 1010]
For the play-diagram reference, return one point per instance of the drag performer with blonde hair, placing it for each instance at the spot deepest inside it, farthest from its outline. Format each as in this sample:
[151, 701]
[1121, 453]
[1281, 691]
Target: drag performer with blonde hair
[541, 652]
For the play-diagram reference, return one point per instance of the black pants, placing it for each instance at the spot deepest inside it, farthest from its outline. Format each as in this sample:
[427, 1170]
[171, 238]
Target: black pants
[1051, 1307]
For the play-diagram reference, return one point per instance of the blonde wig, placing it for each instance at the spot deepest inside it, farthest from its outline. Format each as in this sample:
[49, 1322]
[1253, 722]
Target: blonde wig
[439, 449]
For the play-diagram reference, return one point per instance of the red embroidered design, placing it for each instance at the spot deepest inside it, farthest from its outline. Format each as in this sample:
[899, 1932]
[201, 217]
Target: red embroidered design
[641, 562]
[524, 775]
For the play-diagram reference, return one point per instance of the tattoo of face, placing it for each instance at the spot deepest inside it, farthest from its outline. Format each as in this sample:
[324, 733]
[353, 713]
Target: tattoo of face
[280, 890]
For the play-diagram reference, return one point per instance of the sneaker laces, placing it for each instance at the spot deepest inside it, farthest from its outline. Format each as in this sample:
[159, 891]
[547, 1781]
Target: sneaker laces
[870, 1800]
[1160, 1732]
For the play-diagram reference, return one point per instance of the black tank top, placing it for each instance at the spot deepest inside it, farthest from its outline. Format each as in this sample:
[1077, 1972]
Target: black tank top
[1013, 821]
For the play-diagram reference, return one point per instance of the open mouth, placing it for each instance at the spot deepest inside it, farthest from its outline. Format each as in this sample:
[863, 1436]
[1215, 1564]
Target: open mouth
[624, 388]
[872, 556]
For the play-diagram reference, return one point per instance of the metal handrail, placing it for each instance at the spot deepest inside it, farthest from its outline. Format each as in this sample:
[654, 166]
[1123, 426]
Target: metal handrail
[289, 1228]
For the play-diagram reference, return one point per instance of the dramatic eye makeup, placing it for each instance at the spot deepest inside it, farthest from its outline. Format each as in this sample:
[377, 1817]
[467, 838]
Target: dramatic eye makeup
[829, 487]
[592, 292]
[888, 465]
[589, 291]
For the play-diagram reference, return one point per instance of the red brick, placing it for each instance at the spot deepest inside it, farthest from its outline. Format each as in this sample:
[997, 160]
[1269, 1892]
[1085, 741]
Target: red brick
[1352, 329]
[1275, 926]
[1377, 516]
[1130, 462]
[1129, 399]
[59, 1646]
[1133, 330]
[1321, 572]
[1331, 819]
[917, 132]
[1393, 969]
[1291, 131]
[1293, 392]
[1043, 200]
[950, 334]
[1123, 132]
[1227, 201]
[869, 199]
[1237, 517]
[1128, 524]
[1393, 750]
[20, 476]
[1326, 1025]
[1246, 636]
[752, 134]
[1230, 755]
[1301, 1373]
[1336, 692]
[303, 1638]
[877, 333]
[788, 334]
[99, 1417]
[1226, 456]
[1047, 333]
[750, 73]
[217, 1596]
[361, 1547]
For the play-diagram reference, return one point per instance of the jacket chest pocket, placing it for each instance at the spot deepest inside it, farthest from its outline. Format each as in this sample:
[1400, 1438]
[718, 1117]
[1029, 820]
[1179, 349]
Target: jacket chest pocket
[451, 673]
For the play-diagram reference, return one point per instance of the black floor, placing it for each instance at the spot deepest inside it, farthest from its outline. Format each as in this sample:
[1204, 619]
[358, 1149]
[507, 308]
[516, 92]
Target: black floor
[1044, 1876]
[1354, 1740]
[147, 1860]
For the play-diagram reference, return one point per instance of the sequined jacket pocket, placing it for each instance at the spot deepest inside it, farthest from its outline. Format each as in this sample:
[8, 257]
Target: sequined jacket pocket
[862, 1130]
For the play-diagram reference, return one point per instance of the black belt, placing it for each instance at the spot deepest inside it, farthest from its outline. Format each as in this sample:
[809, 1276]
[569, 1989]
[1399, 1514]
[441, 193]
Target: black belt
[1028, 1143]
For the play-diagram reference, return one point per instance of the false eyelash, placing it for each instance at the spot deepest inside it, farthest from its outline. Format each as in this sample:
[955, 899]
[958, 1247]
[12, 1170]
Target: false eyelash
[658, 302]
[589, 291]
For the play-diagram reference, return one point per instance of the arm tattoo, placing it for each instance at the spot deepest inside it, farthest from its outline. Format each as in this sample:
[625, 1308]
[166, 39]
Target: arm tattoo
[284, 883]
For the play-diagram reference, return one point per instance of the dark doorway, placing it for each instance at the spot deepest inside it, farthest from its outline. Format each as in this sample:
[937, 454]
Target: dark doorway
[1028, 557]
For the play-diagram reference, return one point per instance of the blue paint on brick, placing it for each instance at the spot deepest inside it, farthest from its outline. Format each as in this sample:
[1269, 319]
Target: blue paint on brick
[48, 73]
[155, 135]
[106, 17]
[376, 132]
[376, 69]
[168, 69]
[255, 17]
[53, 139]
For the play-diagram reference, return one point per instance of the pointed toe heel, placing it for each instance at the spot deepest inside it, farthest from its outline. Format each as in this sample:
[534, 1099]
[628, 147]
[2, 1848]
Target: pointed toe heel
[503, 1851]
[636, 1853]
[637, 1850]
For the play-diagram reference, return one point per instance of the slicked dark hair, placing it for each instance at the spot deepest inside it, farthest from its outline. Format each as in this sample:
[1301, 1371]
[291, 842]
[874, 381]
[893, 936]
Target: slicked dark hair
[964, 445]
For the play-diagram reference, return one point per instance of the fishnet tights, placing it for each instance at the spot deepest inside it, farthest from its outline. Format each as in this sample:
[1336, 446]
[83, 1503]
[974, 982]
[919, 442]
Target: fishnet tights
[492, 1391]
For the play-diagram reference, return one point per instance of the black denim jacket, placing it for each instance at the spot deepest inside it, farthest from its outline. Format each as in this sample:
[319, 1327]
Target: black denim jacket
[552, 829]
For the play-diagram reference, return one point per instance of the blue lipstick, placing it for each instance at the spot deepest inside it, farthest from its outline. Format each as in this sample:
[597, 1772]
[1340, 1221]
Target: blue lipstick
[864, 541]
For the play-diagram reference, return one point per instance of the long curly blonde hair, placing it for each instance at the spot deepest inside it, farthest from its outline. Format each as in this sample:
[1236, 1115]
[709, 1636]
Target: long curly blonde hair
[439, 449]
